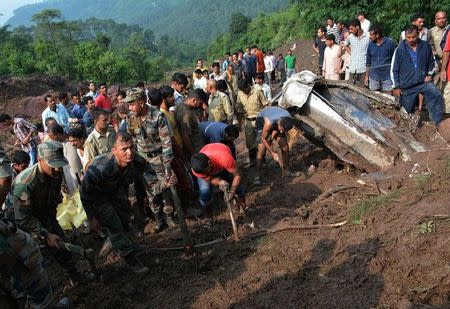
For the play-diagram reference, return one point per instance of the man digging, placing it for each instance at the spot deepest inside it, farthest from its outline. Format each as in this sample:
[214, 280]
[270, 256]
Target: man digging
[272, 123]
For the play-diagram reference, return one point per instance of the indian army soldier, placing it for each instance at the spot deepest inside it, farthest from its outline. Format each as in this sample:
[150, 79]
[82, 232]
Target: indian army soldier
[152, 134]
[104, 193]
[5, 175]
[21, 271]
[34, 196]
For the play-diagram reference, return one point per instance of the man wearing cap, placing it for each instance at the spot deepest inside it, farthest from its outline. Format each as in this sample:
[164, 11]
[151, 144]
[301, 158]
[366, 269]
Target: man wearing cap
[153, 137]
[104, 193]
[272, 123]
[34, 196]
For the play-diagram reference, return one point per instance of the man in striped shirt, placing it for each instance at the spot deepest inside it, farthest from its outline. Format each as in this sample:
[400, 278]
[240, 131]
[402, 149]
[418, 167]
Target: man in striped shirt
[333, 29]
[357, 44]
[24, 133]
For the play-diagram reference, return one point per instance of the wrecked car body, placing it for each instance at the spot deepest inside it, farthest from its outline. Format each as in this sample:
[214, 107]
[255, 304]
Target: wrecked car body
[348, 120]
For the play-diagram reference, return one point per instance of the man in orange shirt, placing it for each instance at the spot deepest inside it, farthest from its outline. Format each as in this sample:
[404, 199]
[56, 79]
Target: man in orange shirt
[260, 67]
[215, 165]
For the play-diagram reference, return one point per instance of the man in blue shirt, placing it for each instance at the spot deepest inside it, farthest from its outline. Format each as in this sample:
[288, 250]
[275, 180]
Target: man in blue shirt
[379, 57]
[78, 109]
[412, 70]
[219, 132]
[56, 111]
[251, 65]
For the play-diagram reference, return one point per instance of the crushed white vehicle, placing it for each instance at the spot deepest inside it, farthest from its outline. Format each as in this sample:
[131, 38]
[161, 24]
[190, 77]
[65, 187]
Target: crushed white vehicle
[355, 124]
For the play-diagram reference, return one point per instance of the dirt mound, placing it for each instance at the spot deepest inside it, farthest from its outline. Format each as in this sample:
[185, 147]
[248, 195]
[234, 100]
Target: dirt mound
[307, 58]
[24, 96]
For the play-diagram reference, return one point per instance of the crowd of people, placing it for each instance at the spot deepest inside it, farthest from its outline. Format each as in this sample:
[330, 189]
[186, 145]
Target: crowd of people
[415, 70]
[181, 137]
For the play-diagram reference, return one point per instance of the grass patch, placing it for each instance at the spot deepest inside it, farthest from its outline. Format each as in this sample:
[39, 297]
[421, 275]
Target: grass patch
[422, 179]
[447, 165]
[368, 205]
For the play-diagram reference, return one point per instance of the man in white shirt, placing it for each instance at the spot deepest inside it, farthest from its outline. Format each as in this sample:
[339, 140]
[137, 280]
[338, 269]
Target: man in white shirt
[259, 83]
[92, 91]
[179, 83]
[269, 67]
[418, 20]
[365, 23]
[274, 65]
[199, 80]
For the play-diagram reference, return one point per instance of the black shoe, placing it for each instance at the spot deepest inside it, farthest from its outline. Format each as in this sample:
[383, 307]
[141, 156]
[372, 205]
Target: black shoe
[159, 224]
[170, 221]
[135, 264]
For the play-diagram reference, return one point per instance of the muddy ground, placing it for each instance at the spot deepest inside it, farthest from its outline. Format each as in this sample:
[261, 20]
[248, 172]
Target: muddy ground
[392, 252]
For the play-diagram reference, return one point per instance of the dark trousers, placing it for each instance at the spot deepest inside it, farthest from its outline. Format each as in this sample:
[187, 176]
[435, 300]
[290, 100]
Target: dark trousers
[114, 215]
[433, 99]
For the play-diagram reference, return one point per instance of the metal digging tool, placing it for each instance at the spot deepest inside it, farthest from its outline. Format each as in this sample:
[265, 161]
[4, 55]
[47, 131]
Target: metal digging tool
[88, 253]
[181, 220]
[230, 210]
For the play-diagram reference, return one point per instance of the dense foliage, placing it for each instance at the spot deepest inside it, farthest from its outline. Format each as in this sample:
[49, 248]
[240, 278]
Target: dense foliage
[101, 50]
[303, 17]
[194, 20]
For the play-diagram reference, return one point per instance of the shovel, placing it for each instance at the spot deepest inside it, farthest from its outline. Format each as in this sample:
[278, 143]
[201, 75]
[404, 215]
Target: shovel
[230, 210]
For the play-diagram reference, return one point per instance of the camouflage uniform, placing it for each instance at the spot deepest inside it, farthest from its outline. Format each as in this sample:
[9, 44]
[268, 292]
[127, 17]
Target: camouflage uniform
[152, 136]
[21, 262]
[6, 173]
[5, 165]
[35, 196]
[104, 193]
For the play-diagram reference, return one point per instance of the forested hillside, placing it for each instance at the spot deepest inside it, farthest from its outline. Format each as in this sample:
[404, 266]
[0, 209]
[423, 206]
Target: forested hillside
[90, 50]
[104, 49]
[303, 17]
[194, 20]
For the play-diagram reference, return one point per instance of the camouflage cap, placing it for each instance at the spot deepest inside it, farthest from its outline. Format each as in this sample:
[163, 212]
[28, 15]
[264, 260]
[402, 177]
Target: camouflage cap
[134, 94]
[52, 153]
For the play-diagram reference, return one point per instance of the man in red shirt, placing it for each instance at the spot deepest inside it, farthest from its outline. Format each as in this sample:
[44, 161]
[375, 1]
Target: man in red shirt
[260, 67]
[214, 165]
[102, 100]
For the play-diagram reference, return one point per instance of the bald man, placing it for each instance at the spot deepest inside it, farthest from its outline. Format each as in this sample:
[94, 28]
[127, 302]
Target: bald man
[219, 106]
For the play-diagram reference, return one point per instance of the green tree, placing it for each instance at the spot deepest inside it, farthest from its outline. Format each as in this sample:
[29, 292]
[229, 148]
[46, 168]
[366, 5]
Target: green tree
[238, 24]
[45, 28]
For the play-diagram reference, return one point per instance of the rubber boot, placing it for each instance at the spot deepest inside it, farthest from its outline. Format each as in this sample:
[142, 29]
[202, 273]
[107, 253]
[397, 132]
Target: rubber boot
[252, 156]
[170, 221]
[135, 264]
[159, 223]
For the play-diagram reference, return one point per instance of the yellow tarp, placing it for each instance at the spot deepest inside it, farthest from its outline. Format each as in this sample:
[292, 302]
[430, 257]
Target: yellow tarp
[71, 210]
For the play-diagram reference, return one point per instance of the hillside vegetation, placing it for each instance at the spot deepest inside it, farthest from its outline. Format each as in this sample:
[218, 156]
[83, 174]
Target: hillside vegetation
[193, 20]
[106, 50]
[303, 17]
